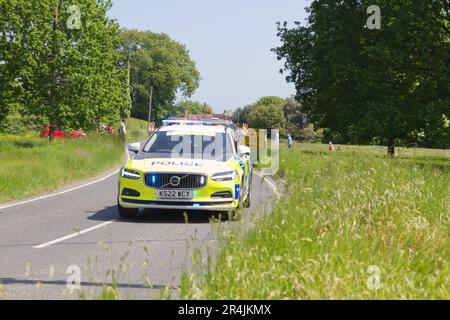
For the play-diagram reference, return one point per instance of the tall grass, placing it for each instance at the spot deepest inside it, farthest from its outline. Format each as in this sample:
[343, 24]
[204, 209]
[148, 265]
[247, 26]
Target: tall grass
[343, 217]
[31, 166]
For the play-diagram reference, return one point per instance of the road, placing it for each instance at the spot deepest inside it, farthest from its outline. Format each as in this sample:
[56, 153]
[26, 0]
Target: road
[40, 239]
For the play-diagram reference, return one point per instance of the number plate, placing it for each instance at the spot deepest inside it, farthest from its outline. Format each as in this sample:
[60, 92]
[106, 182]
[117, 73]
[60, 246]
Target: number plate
[175, 194]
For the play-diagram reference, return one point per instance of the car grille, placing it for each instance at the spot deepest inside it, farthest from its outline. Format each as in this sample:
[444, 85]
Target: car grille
[186, 181]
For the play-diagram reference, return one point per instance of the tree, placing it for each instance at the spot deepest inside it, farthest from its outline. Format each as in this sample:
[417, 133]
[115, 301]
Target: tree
[390, 84]
[240, 115]
[71, 77]
[309, 133]
[267, 113]
[159, 62]
[12, 55]
[296, 120]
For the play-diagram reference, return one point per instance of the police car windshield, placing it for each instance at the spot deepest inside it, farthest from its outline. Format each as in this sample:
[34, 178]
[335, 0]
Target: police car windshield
[176, 145]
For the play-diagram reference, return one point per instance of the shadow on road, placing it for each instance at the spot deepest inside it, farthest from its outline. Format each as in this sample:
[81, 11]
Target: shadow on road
[12, 281]
[160, 216]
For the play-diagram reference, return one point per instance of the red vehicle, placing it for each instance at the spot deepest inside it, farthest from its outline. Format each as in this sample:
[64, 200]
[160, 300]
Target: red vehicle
[77, 134]
[59, 134]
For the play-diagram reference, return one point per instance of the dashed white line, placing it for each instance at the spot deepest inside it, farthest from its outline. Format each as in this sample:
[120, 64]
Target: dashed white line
[73, 235]
[104, 224]
[76, 234]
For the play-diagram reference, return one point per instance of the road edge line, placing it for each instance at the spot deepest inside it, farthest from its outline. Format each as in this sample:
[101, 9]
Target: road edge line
[269, 181]
[104, 224]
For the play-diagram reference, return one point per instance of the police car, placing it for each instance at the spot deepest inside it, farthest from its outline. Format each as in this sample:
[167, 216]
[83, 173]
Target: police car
[187, 165]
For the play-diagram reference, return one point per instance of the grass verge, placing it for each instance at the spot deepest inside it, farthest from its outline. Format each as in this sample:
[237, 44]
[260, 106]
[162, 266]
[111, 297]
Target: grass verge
[351, 225]
[31, 166]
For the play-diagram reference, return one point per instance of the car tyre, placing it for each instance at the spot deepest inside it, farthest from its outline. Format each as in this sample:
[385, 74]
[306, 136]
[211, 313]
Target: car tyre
[126, 213]
[247, 202]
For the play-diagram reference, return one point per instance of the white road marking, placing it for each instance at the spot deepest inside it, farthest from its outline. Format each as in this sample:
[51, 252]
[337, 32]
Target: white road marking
[269, 181]
[76, 234]
[73, 235]
[59, 193]
[63, 192]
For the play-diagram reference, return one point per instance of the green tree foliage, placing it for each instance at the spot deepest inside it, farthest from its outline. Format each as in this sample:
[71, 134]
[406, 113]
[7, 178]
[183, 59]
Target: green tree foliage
[266, 113]
[267, 117]
[297, 124]
[162, 63]
[240, 115]
[309, 133]
[391, 84]
[295, 118]
[12, 54]
[71, 77]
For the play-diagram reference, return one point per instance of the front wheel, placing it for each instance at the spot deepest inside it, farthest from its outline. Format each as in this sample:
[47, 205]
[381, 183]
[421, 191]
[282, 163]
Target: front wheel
[126, 213]
[247, 201]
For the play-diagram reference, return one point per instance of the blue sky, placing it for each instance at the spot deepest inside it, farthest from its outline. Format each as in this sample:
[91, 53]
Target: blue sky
[229, 39]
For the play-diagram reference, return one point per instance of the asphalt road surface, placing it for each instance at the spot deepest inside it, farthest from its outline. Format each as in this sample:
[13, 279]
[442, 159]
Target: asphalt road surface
[40, 240]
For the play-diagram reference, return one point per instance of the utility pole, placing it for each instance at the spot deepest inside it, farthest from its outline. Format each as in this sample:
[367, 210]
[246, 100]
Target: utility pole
[150, 104]
[54, 73]
[129, 84]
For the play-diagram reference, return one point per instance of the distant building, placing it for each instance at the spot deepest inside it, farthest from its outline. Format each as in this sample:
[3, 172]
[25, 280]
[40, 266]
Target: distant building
[211, 116]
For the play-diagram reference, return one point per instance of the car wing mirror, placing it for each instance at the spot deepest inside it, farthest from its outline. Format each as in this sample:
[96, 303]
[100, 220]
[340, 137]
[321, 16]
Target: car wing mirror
[135, 147]
[244, 150]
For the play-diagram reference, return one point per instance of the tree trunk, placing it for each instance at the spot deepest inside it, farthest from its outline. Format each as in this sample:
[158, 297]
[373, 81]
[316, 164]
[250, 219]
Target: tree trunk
[391, 146]
[51, 132]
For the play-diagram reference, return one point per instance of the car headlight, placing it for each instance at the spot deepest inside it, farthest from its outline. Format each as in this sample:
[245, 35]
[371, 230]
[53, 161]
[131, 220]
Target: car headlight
[130, 174]
[225, 176]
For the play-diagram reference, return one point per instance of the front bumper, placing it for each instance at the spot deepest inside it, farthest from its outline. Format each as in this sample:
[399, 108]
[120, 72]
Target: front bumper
[202, 199]
[226, 205]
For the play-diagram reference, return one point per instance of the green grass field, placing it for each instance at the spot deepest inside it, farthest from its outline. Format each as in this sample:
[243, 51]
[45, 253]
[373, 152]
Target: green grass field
[30, 167]
[343, 217]
[375, 150]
